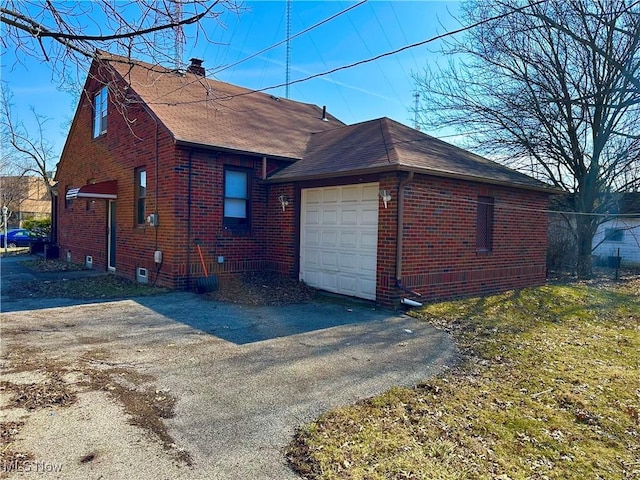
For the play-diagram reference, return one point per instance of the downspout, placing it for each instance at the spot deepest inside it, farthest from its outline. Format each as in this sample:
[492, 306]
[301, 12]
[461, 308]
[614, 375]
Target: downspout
[264, 168]
[156, 176]
[399, 238]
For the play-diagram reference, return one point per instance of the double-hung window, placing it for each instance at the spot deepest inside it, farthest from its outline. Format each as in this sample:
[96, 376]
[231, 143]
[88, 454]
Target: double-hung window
[236, 198]
[100, 112]
[484, 234]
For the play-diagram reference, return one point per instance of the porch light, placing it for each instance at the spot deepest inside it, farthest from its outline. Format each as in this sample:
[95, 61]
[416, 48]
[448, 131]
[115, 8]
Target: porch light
[283, 202]
[385, 196]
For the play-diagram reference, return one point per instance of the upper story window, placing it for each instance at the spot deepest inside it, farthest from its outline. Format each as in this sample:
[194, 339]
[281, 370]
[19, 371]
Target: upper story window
[140, 195]
[236, 198]
[100, 112]
[484, 234]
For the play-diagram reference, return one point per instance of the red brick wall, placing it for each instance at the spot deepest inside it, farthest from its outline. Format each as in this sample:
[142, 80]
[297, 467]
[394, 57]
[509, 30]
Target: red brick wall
[440, 259]
[82, 228]
[128, 144]
[242, 250]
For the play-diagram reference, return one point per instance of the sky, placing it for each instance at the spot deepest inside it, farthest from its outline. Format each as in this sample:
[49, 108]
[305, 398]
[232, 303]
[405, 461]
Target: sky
[383, 88]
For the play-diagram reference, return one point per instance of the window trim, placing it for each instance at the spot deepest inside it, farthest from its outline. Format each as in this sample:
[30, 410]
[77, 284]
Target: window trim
[485, 224]
[100, 111]
[233, 223]
[140, 196]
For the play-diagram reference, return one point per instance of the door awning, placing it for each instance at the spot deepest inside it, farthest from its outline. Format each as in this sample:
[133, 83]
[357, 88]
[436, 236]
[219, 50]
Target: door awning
[106, 190]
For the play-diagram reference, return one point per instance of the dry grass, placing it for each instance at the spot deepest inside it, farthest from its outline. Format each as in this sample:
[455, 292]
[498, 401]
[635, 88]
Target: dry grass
[549, 390]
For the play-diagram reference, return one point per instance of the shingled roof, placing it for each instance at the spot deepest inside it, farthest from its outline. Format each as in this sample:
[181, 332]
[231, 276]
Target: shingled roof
[205, 112]
[384, 145]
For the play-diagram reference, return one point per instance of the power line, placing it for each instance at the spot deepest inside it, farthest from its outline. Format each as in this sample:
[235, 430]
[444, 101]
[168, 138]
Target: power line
[289, 38]
[386, 54]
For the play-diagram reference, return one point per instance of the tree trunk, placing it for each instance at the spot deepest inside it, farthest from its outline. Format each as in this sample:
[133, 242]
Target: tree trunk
[585, 233]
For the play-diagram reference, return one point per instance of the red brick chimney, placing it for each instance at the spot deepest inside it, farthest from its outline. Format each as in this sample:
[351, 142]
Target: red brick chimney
[196, 67]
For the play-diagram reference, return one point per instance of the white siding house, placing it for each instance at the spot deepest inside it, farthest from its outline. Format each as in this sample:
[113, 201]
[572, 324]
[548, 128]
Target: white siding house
[620, 236]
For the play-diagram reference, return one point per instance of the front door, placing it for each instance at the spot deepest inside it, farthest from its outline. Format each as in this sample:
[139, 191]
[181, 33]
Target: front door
[111, 236]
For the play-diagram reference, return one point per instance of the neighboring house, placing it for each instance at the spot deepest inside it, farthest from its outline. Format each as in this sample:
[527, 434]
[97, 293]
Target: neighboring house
[620, 236]
[26, 197]
[160, 160]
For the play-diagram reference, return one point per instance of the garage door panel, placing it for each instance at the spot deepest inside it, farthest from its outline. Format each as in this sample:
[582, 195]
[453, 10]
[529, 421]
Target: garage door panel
[329, 261]
[349, 216]
[348, 262]
[313, 216]
[312, 237]
[348, 239]
[369, 216]
[329, 238]
[329, 281]
[367, 289]
[339, 239]
[367, 264]
[348, 285]
[351, 194]
[368, 240]
[370, 192]
[314, 197]
[329, 195]
[329, 217]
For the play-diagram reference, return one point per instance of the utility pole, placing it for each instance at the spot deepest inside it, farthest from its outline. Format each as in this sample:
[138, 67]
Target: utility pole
[416, 97]
[288, 51]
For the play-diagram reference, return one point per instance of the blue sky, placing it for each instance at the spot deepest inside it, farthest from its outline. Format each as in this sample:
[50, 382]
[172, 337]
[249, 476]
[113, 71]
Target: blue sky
[377, 89]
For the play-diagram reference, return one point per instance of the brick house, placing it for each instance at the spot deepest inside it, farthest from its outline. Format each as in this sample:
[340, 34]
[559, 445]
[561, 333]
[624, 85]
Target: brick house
[158, 160]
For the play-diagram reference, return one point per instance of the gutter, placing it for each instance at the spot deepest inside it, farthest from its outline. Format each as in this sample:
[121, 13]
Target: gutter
[423, 171]
[236, 151]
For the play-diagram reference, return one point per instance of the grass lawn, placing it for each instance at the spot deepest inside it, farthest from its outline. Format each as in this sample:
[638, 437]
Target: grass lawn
[549, 388]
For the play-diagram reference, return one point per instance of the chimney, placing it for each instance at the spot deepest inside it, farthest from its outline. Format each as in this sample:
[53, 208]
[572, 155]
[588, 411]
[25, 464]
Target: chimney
[324, 114]
[196, 67]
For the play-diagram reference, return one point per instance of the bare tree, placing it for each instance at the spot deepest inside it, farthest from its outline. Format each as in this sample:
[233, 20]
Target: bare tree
[26, 152]
[553, 90]
[69, 34]
[13, 194]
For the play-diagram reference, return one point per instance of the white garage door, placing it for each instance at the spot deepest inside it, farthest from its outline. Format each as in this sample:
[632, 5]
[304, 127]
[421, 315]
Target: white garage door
[339, 239]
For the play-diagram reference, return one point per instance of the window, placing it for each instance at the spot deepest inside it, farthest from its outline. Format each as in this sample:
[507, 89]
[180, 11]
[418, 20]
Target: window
[100, 112]
[236, 199]
[484, 239]
[140, 195]
[614, 235]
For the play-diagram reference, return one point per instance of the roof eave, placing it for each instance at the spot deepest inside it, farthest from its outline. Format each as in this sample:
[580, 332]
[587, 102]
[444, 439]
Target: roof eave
[424, 171]
[219, 148]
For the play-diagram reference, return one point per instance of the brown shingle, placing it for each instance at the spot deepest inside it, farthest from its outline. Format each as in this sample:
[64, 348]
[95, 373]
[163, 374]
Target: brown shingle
[384, 144]
[207, 112]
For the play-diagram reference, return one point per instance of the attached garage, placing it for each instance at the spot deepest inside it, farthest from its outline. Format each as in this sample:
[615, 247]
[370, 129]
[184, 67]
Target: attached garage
[339, 239]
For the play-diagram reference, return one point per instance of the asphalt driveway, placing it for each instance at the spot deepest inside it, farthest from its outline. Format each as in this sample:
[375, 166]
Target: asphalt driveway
[244, 377]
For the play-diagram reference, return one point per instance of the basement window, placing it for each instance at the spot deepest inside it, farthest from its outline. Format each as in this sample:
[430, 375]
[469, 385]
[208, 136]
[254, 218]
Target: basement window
[484, 234]
[236, 199]
[100, 112]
